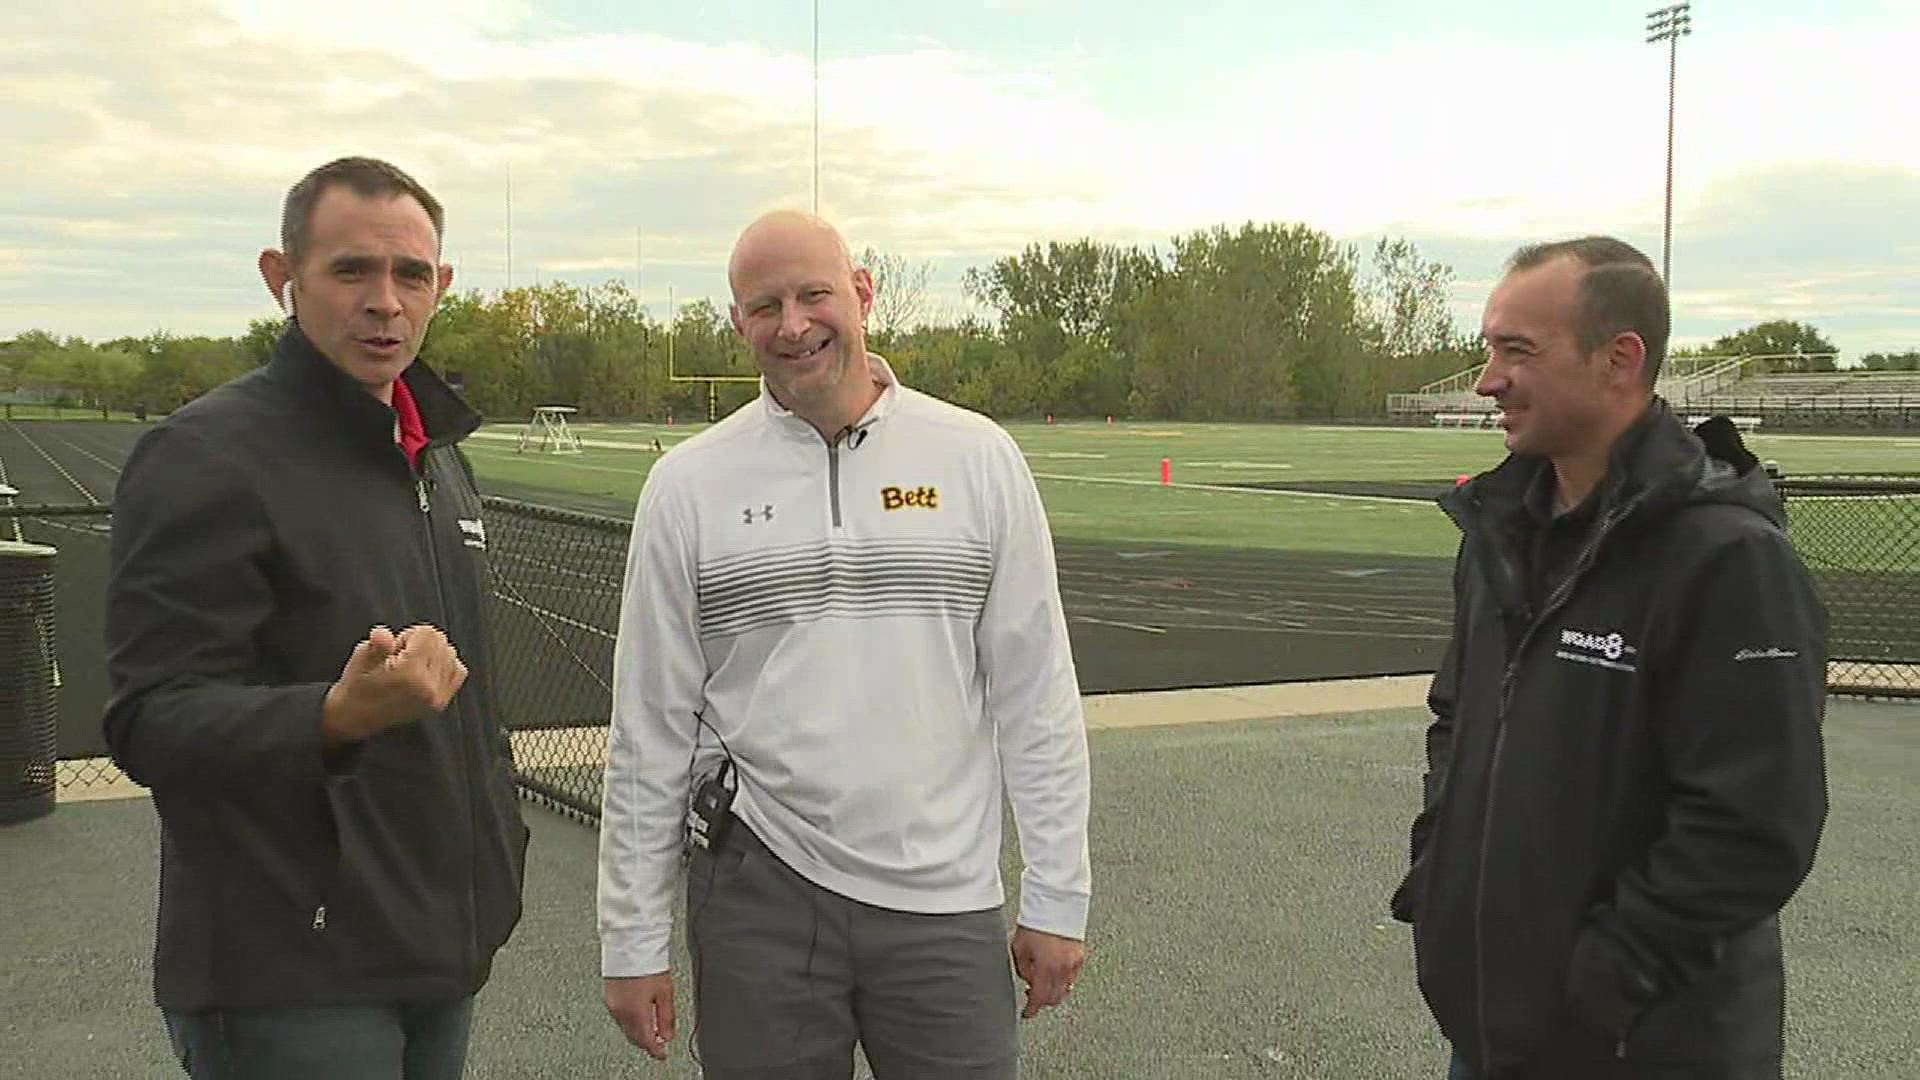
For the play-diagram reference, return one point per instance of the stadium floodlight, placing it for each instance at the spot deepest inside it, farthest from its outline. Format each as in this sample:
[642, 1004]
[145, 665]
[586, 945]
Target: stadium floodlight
[1669, 24]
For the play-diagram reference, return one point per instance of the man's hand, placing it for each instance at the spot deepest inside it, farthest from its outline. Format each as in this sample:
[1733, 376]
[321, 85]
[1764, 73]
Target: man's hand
[391, 679]
[643, 1007]
[1048, 964]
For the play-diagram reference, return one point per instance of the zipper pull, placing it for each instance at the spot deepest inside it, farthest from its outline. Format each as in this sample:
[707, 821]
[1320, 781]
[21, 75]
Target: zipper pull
[420, 488]
[320, 917]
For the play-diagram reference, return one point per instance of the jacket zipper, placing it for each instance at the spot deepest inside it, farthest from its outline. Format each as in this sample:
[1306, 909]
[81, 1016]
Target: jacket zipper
[426, 507]
[833, 480]
[471, 943]
[1555, 601]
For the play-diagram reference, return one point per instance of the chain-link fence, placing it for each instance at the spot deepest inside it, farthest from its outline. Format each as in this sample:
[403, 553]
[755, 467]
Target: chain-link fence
[555, 604]
[555, 610]
[1860, 537]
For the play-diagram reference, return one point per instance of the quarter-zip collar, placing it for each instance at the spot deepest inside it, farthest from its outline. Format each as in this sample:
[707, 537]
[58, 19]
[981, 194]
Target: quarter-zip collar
[789, 423]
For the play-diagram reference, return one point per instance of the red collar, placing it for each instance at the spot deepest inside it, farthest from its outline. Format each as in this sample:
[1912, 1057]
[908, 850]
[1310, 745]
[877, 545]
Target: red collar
[413, 433]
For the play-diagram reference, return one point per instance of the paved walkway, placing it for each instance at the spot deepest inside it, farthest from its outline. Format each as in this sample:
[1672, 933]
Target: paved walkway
[1244, 844]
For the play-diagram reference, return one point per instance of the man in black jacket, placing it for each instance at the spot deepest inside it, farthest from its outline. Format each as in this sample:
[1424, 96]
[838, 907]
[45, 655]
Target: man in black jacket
[1626, 778]
[341, 845]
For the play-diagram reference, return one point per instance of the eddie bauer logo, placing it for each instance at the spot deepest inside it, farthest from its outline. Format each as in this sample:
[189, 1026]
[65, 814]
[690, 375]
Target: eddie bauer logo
[473, 533]
[1599, 650]
[926, 498]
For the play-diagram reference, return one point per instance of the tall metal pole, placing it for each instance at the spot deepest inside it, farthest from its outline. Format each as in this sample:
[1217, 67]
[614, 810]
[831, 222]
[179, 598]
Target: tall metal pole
[1666, 235]
[1669, 24]
[509, 225]
[816, 106]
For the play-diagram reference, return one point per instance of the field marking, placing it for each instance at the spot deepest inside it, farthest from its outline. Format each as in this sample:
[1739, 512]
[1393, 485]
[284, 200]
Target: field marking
[555, 462]
[1332, 496]
[1763, 436]
[1121, 625]
[18, 538]
[1230, 490]
[62, 469]
[110, 466]
[1235, 464]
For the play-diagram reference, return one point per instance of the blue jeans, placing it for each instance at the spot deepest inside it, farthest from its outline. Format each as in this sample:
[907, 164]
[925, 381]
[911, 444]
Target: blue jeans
[412, 1041]
[1458, 1069]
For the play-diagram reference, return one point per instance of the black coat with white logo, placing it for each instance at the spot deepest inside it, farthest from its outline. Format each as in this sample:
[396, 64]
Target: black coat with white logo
[258, 533]
[1626, 777]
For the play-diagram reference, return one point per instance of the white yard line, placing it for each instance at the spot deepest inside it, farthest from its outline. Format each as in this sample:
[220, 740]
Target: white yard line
[1333, 495]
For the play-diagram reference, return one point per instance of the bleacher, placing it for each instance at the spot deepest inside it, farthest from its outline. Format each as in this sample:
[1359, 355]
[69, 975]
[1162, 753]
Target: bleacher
[1736, 387]
[1862, 400]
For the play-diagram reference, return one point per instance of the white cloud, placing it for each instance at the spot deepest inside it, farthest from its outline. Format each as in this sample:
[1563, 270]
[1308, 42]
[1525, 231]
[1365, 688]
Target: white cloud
[153, 142]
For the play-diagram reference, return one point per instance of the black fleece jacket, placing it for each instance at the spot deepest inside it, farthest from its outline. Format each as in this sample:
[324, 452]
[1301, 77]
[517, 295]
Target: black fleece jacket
[258, 533]
[1626, 774]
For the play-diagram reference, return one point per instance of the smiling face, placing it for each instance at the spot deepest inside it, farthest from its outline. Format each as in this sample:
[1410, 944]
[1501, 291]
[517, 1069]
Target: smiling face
[366, 285]
[1554, 396]
[802, 307]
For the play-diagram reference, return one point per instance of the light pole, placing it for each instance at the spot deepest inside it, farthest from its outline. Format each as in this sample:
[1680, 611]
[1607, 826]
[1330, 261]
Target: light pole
[1669, 24]
[816, 106]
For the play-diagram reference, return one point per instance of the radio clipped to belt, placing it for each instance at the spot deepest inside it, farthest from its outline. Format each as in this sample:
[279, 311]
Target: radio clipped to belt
[710, 811]
[710, 814]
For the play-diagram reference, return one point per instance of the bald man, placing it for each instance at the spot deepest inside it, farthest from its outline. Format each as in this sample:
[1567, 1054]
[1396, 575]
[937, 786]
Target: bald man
[841, 647]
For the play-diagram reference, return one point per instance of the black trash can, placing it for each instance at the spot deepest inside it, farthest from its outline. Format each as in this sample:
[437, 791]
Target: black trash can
[28, 706]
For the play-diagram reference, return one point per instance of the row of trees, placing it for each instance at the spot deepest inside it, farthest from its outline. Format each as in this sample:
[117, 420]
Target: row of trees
[1260, 322]
[1901, 361]
[1792, 346]
[160, 368]
[1797, 346]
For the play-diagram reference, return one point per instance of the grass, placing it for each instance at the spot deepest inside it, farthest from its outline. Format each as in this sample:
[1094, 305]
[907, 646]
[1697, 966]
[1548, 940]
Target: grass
[1101, 481]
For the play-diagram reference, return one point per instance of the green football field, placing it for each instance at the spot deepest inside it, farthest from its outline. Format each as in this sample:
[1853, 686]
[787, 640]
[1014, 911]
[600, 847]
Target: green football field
[1102, 482]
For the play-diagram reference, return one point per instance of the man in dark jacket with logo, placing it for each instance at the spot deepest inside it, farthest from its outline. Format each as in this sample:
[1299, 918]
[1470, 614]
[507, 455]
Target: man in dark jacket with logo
[1626, 778]
[300, 673]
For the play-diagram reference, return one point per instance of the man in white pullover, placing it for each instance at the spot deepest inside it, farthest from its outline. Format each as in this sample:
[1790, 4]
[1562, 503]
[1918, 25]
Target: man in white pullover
[841, 609]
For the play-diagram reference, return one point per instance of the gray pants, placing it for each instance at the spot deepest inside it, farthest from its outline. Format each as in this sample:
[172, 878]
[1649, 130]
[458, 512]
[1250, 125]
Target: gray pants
[788, 976]
[415, 1041]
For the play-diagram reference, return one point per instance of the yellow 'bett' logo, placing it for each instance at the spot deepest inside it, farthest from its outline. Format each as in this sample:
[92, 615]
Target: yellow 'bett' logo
[926, 498]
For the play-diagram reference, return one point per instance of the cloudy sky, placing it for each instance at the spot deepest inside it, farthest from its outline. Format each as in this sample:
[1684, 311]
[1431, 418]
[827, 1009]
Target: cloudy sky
[148, 143]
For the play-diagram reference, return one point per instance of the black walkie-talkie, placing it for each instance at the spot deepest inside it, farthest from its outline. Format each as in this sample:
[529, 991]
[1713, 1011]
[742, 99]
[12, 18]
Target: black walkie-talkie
[710, 814]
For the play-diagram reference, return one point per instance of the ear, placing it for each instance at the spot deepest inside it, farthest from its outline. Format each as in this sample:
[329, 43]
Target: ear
[277, 272]
[1626, 359]
[446, 280]
[739, 325]
[863, 288]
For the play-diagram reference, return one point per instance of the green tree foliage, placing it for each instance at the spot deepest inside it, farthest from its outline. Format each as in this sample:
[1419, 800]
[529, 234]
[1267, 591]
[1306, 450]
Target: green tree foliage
[1797, 346]
[1900, 361]
[1252, 322]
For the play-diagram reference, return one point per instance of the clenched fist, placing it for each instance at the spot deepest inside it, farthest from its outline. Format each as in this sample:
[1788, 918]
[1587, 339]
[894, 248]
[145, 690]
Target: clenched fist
[391, 679]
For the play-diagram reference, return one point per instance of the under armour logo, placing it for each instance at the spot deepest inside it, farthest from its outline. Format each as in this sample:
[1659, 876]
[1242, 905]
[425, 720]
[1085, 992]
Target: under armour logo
[746, 514]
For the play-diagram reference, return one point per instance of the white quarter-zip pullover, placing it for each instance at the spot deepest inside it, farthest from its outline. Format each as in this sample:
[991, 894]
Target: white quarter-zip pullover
[873, 628]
